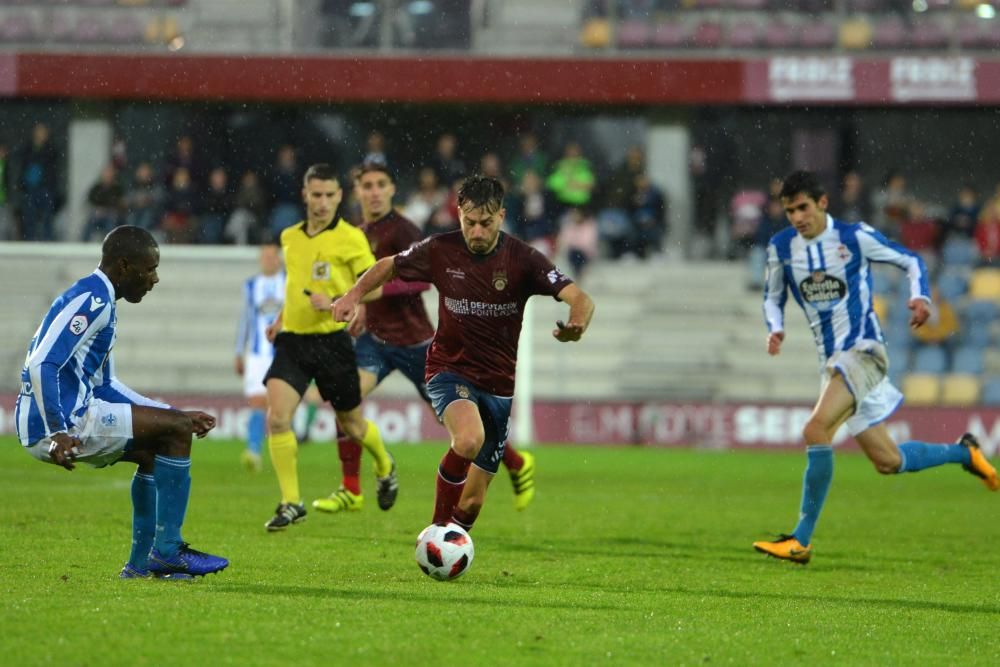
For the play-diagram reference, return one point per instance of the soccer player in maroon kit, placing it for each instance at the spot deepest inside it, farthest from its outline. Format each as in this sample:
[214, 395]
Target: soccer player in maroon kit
[484, 278]
[394, 333]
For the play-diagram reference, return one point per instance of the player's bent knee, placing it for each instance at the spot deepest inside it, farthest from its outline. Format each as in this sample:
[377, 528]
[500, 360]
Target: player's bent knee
[816, 433]
[887, 465]
[467, 446]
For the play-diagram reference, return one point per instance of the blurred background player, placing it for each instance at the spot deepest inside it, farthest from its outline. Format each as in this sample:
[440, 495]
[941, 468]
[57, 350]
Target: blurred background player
[263, 296]
[484, 278]
[824, 263]
[324, 255]
[73, 408]
[394, 332]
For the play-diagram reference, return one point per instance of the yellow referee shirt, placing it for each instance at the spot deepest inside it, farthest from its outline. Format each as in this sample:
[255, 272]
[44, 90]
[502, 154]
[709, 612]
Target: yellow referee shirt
[328, 263]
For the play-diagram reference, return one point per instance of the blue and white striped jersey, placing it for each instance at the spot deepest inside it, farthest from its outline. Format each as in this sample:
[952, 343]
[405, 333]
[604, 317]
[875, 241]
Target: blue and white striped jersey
[69, 362]
[263, 297]
[830, 277]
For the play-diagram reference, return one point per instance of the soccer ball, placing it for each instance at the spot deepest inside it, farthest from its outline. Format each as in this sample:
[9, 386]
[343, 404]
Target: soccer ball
[444, 552]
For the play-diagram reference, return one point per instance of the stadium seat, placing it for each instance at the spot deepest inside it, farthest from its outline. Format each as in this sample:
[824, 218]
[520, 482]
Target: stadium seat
[633, 35]
[930, 359]
[595, 33]
[968, 360]
[921, 389]
[17, 28]
[779, 35]
[89, 29]
[881, 307]
[125, 30]
[971, 35]
[991, 391]
[885, 280]
[743, 35]
[985, 284]
[670, 35]
[889, 34]
[928, 34]
[952, 285]
[818, 35]
[707, 35]
[855, 34]
[960, 390]
[959, 252]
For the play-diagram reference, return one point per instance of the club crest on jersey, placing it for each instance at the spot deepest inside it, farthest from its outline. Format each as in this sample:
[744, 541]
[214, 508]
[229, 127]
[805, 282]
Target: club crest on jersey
[500, 280]
[462, 391]
[321, 270]
[822, 291]
[843, 253]
[108, 419]
[78, 324]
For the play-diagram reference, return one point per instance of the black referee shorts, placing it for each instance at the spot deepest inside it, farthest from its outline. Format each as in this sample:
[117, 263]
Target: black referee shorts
[326, 358]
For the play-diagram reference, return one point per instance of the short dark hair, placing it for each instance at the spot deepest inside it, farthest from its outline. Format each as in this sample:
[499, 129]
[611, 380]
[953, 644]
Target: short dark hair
[320, 172]
[373, 167]
[126, 242]
[482, 192]
[804, 182]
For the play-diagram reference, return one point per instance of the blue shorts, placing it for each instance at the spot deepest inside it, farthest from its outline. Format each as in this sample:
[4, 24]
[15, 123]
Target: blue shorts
[446, 388]
[380, 358]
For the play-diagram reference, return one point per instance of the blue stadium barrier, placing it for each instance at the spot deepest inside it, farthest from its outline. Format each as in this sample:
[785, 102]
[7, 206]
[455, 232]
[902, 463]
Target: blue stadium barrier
[991, 391]
[959, 252]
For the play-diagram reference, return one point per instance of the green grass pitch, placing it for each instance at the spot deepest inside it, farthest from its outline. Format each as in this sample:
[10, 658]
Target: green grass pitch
[627, 556]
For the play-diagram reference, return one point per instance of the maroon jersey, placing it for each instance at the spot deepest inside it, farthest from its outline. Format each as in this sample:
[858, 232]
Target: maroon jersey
[399, 319]
[480, 303]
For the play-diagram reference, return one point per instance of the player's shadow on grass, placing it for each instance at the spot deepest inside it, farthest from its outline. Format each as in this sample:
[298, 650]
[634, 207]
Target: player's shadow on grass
[433, 596]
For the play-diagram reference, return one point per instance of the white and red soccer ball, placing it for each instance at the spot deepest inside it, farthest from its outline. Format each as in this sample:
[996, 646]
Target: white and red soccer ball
[444, 552]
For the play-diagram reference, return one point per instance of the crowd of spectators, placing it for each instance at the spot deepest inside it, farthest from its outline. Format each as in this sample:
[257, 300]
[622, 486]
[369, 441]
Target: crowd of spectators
[564, 205]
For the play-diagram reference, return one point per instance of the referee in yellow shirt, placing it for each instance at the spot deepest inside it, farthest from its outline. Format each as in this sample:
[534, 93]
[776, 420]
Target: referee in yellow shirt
[323, 258]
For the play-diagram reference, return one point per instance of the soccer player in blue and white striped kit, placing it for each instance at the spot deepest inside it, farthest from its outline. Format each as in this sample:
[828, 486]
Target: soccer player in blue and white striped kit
[825, 264]
[263, 297]
[72, 408]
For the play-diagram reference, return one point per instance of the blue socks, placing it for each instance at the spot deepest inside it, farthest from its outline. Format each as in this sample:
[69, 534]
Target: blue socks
[173, 485]
[143, 520]
[920, 455]
[815, 484]
[255, 431]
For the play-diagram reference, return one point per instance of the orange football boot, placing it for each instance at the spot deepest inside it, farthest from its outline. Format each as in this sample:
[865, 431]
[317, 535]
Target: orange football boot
[979, 465]
[786, 547]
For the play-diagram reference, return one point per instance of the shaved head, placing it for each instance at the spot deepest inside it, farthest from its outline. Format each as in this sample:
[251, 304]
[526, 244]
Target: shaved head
[127, 242]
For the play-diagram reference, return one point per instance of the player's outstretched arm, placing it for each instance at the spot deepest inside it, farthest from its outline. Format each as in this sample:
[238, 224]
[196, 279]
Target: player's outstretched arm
[581, 310]
[368, 288]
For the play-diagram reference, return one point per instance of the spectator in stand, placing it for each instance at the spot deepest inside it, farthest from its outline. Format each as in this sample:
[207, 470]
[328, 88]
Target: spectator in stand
[746, 209]
[38, 185]
[619, 192]
[106, 199]
[578, 239]
[285, 187]
[445, 161]
[246, 224]
[144, 200]
[572, 178]
[649, 217]
[489, 165]
[854, 200]
[964, 214]
[375, 149]
[183, 157]
[531, 214]
[7, 231]
[179, 222]
[216, 206]
[528, 158]
[890, 205]
[919, 231]
[445, 218]
[771, 222]
[988, 232]
[426, 199]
